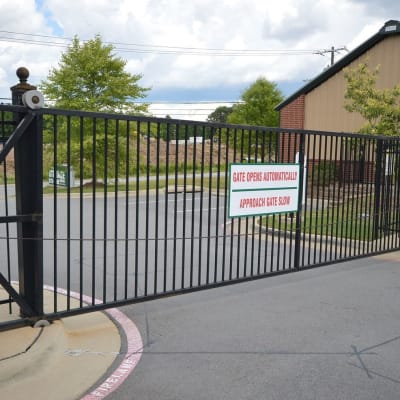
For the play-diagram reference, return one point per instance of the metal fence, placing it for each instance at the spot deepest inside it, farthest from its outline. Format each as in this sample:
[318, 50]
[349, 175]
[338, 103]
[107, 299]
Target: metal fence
[136, 208]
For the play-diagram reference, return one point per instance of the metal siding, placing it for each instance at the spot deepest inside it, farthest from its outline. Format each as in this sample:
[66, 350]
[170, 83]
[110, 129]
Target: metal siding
[324, 106]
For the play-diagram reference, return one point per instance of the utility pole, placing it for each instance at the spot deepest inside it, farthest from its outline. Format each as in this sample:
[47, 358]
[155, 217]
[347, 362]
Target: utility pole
[332, 55]
[332, 50]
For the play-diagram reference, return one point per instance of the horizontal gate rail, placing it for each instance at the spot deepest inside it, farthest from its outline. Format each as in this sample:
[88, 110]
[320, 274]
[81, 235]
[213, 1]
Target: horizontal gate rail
[20, 218]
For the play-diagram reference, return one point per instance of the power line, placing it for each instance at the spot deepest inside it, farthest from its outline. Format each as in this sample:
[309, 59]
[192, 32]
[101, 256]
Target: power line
[189, 102]
[181, 114]
[55, 41]
[201, 102]
[178, 103]
[182, 109]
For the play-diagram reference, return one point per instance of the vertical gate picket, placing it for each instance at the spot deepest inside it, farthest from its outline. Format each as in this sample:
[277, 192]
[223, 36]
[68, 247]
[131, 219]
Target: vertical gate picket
[299, 210]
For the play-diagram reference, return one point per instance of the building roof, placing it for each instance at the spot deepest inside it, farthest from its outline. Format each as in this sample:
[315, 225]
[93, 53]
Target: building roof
[391, 27]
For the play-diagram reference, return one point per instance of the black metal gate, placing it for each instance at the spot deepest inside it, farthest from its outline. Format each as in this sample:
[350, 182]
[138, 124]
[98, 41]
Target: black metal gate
[117, 209]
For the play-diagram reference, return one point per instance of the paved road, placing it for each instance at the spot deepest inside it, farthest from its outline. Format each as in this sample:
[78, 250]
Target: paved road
[329, 333]
[124, 247]
[167, 242]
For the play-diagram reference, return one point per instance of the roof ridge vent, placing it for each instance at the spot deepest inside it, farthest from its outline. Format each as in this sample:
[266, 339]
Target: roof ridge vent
[391, 26]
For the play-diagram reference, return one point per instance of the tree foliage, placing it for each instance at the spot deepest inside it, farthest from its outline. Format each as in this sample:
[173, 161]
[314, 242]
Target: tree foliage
[220, 114]
[379, 107]
[90, 77]
[258, 107]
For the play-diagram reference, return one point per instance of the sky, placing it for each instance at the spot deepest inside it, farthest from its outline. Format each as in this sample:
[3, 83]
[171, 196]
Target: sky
[194, 55]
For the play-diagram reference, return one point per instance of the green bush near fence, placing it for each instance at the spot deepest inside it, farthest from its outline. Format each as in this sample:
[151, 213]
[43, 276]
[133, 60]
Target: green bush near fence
[324, 173]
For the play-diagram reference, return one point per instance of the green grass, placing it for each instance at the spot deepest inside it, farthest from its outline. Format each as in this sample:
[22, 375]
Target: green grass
[349, 220]
[10, 176]
[344, 220]
[160, 169]
[143, 185]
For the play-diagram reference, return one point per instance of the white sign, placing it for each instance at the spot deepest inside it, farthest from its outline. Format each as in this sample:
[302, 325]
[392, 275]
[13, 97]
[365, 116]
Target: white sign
[260, 189]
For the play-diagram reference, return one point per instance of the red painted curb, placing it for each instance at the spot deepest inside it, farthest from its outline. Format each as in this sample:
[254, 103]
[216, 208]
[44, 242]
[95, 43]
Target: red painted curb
[133, 352]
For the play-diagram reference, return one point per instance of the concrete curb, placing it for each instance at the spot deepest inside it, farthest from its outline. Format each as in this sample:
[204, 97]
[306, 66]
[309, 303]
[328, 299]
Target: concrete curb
[68, 358]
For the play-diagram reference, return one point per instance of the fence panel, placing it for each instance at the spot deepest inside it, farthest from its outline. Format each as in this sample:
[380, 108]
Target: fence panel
[140, 209]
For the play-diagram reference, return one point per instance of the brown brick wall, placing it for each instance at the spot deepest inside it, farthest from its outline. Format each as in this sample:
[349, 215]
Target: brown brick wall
[291, 117]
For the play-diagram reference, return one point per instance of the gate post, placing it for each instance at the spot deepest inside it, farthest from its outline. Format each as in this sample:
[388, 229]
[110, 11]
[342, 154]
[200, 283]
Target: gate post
[29, 202]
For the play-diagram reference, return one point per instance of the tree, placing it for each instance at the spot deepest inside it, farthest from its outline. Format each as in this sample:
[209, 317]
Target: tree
[167, 129]
[220, 114]
[258, 107]
[379, 107]
[91, 78]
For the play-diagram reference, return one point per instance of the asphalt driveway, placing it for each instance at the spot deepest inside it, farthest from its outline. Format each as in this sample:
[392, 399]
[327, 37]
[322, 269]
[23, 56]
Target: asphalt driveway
[327, 333]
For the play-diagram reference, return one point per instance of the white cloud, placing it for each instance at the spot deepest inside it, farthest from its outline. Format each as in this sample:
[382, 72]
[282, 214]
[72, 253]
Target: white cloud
[210, 24]
[23, 17]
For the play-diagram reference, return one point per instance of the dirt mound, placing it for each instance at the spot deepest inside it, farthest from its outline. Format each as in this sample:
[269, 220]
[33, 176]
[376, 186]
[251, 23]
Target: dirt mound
[211, 153]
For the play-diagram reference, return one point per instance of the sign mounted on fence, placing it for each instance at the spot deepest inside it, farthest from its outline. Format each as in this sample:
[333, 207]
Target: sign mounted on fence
[261, 189]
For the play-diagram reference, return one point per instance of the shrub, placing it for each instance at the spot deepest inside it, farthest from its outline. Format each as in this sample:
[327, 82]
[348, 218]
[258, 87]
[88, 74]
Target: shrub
[324, 173]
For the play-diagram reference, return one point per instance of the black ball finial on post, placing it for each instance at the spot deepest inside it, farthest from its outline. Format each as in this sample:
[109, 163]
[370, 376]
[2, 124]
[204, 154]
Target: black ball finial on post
[20, 88]
[23, 74]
